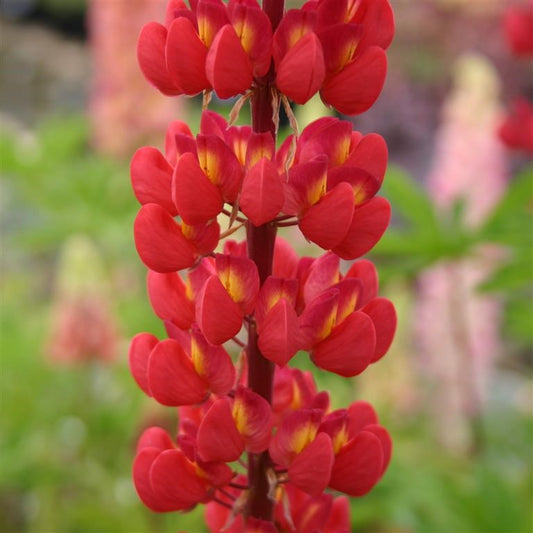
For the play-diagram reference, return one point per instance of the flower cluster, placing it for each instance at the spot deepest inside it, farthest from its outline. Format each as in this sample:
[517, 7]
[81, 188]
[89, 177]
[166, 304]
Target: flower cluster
[333, 174]
[336, 47]
[211, 294]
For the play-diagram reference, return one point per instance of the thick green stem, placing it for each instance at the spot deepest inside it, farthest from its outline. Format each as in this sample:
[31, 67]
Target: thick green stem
[260, 242]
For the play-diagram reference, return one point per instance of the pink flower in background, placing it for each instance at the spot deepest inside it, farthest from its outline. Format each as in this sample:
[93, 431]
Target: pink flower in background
[457, 328]
[83, 326]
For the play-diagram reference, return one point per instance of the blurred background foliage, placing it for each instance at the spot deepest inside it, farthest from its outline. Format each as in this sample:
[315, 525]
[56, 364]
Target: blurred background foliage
[68, 428]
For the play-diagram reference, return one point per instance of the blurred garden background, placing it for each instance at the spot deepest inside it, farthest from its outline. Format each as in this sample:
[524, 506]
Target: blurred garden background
[455, 390]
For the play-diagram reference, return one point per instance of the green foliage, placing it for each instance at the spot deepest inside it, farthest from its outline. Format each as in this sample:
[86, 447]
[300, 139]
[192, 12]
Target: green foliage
[420, 236]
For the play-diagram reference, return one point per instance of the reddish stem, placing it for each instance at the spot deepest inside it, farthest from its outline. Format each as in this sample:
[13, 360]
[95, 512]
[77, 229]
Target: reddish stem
[260, 241]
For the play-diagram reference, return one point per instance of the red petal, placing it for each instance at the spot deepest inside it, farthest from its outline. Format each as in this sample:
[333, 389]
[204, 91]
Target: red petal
[151, 178]
[348, 350]
[151, 58]
[178, 140]
[360, 415]
[210, 16]
[160, 241]
[368, 224]
[172, 377]
[218, 438]
[356, 87]
[196, 198]
[327, 222]
[365, 270]
[259, 145]
[302, 70]
[377, 19]
[155, 437]
[220, 165]
[279, 338]
[318, 318]
[253, 417]
[294, 25]
[371, 154]
[213, 363]
[386, 443]
[311, 469]
[186, 55]
[383, 315]
[323, 274]
[140, 348]
[204, 237]
[168, 296]
[228, 67]
[358, 465]
[285, 259]
[364, 185]
[272, 291]
[339, 42]
[240, 278]
[339, 517]
[218, 316]
[174, 477]
[262, 193]
[326, 135]
[141, 479]
[296, 431]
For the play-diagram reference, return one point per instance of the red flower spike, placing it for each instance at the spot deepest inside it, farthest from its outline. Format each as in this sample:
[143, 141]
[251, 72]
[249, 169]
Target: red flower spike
[139, 352]
[151, 58]
[358, 466]
[311, 469]
[262, 193]
[228, 67]
[364, 270]
[212, 363]
[353, 90]
[186, 55]
[323, 274]
[169, 298]
[240, 278]
[160, 242]
[174, 477]
[172, 377]
[349, 349]
[336, 207]
[368, 224]
[151, 178]
[196, 198]
[279, 337]
[218, 438]
[218, 316]
[383, 315]
[301, 72]
[220, 165]
[253, 418]
[253, 28]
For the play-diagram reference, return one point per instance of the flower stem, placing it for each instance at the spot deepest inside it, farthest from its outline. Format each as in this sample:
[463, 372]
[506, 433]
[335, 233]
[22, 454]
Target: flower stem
[260, 242]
